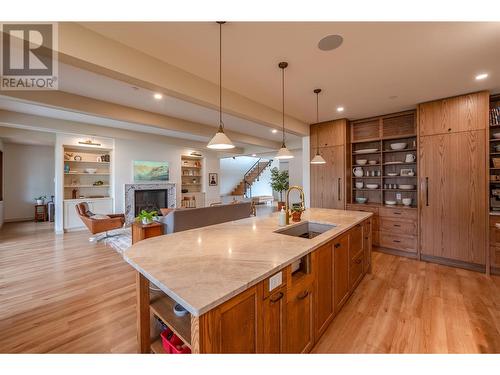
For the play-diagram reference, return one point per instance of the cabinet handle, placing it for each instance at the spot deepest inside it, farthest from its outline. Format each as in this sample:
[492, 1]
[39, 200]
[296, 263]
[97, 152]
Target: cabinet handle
[397, 225]
[338, 188]
[397, 213]
[398, 241]
[303, 295]
[337, 245]
[276, 299]
[427, 191]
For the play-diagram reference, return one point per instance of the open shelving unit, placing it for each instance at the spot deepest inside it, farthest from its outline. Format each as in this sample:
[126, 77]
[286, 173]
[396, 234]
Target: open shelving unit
[494, 154]
[192, 181]
[78, 182]
[378, 134]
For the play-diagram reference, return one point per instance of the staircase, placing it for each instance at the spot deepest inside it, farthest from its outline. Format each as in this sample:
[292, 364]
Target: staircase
[252, 175]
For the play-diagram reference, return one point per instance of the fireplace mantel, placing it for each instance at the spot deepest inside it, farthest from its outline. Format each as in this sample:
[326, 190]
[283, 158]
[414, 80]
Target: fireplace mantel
[130, 196]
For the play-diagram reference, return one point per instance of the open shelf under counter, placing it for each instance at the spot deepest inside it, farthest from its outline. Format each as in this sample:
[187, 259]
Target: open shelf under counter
[157, 346]
[162, 306]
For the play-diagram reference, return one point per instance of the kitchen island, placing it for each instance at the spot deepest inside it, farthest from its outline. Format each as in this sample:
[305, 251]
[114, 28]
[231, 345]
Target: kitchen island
[248, 288]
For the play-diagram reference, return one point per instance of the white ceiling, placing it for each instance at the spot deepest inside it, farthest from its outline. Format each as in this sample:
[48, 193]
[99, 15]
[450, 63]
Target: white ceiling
[82, 82]
[413, 62]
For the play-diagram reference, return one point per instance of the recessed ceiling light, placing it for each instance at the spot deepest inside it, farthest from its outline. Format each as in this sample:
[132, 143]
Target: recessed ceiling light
[481, 76]
[340, 109]
[274, 131]
[254, 155]
[158, 96]
[330, 42]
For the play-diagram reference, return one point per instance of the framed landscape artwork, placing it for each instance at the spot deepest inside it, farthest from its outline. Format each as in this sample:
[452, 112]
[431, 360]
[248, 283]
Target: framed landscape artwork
[150, 171]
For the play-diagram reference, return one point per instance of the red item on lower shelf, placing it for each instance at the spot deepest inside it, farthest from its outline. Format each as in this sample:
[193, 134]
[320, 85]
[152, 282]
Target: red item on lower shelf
[172, 343]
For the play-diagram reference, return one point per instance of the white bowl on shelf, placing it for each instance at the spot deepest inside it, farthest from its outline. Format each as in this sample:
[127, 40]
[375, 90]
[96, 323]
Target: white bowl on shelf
[371, 186]
[361, 161]
[497, 148]
[361, 200]
[372, 162]
[359, 185]
[392, 174]
[407, 201]
[366, 151]
[90, 170]
[496, 135]
[390, 203]
[406, 187]
[398, 146]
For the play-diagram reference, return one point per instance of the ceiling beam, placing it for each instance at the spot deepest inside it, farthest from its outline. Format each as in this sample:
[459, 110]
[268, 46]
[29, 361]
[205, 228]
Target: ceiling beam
[94, 107]
[86, 49]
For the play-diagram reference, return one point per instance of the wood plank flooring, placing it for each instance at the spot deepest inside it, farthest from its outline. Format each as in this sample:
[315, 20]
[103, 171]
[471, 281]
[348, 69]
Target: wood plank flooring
[62, 294]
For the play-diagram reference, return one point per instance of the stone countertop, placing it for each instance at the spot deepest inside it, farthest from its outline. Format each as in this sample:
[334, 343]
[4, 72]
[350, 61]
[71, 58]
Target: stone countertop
[204, 267]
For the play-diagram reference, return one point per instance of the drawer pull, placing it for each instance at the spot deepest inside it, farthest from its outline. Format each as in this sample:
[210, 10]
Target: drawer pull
[398, 241]
[337, 245]
[396, 213]
[397, 225]
[303, 295]
[276, 299]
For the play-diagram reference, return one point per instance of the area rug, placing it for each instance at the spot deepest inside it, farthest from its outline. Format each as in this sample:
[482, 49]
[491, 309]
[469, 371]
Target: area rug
[120, 241]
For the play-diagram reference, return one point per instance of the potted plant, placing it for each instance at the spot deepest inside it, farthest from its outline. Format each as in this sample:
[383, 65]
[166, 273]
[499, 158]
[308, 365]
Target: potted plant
[296, 213]
[146, 217]
[279, 183]
[40, 200]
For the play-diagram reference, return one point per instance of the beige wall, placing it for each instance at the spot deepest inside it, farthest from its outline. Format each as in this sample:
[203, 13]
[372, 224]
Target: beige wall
[1, 202]
[28, 173]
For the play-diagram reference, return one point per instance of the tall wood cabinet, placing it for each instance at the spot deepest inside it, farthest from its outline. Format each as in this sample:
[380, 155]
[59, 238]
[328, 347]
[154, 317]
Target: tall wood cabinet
[328, 181]
[452, 164]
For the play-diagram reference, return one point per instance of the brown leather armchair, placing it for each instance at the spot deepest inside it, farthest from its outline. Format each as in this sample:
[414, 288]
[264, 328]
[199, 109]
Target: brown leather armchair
[96, 226]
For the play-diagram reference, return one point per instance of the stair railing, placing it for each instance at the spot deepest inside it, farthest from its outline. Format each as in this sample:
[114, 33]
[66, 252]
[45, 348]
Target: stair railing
[246, 180]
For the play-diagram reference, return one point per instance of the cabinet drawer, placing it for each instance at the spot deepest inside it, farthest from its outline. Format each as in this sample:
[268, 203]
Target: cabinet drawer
[357, 207]
[402, 213]
[495, 256]
[494, 236]
[398, 242]
[408, 227]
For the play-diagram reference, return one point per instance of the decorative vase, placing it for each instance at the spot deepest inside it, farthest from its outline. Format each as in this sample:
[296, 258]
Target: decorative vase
[296, 216]
[39, 202]
[146, 221]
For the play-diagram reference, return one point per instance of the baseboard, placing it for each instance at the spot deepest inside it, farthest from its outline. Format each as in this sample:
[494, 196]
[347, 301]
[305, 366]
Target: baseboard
[495, 270]
[454, 263]
[395, 252]
[18, 220]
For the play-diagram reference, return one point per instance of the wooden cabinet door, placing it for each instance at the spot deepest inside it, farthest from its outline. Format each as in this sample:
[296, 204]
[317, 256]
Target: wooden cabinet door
[274, 322]
[367, 244]
[328, 180]
[356, 255]
[299, 317]
[451, 115]
[233, 327]
[323, 287]
[452, 196]
[340, 271]
[331, 133]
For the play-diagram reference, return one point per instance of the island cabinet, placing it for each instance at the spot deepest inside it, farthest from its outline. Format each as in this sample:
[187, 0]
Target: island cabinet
[286, 312]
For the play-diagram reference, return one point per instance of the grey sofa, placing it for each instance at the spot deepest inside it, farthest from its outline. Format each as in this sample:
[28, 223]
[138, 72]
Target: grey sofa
[190, 218]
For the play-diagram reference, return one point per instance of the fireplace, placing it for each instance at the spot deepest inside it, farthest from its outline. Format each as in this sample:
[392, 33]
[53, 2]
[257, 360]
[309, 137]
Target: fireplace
[150, 200]
[156, 196]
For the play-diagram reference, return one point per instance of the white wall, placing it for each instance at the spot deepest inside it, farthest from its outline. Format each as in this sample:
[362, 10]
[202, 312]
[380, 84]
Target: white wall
[233, 170]
[1, 202]
[28, 172]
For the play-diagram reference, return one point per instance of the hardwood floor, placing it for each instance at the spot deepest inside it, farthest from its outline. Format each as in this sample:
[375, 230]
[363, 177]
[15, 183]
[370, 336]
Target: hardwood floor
[62, 294]
[406, 306]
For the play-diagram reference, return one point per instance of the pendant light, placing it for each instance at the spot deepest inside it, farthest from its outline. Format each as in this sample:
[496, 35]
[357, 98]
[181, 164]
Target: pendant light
[220, 141]
[317, 159]
[283, 153]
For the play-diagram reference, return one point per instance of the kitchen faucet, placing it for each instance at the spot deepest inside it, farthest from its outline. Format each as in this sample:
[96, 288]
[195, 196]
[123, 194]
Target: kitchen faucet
[287, 203]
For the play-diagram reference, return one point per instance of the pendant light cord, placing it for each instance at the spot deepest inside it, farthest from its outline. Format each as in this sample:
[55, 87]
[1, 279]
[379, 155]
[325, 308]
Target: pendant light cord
[221, 126]
[283, 104]
[317, 121]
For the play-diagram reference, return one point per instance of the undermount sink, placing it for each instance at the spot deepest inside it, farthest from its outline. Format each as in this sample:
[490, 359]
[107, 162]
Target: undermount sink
[306, 229]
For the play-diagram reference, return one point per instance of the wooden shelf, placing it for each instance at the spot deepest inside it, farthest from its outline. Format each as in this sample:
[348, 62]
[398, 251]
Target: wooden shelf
[495, 140]
[191, 184]
[377, 189]
[157, 346]
[366, 153]
[404, 150]
[86, 186]
[399, 176]
[163, 307]
[410, 190]
[86, 162]
[354, 177]
[87, 174]
[403, 163]
[190, 167]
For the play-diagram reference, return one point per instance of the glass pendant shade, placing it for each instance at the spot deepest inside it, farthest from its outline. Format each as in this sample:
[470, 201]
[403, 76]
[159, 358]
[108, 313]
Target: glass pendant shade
[220, 141]
[318, 159]
[284, 153]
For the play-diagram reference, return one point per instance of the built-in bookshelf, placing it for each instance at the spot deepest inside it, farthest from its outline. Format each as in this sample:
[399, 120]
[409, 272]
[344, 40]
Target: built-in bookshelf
[494, 152]
[192, 181]
[388, 174]
[86, 172]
